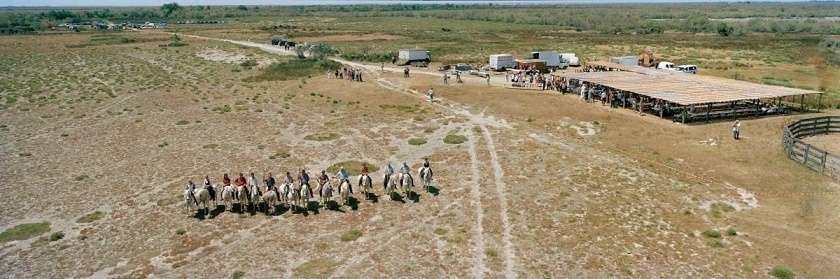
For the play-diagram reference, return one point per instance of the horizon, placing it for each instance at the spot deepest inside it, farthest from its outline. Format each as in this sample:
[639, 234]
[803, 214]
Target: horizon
[155, 3]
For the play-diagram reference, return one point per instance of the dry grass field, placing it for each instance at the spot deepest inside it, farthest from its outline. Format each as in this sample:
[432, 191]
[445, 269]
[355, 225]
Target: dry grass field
[99, 135]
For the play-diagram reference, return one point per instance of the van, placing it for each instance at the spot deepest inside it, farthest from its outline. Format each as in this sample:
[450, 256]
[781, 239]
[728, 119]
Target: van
[691, 69]
[666, 66]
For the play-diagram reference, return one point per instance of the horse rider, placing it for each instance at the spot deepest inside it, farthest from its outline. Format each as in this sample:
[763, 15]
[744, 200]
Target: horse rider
[405, 169]
[252, 181]
[431, 95]
[226, 180]
[364, 172]
[303, 178]
[240, 181]
[343, 176]
[269, 182]
[323, 179]
[209, 186]
[289, 179]
[389, 171]
[191, 189]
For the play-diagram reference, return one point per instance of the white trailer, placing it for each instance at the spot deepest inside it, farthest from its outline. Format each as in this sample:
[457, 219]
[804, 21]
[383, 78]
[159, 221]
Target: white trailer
[551, 58]
[570, 58]
[625, 60]
[409, 55]
[499, 62]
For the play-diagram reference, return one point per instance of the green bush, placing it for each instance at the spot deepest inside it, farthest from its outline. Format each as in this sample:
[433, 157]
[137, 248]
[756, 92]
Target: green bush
[57, 236]
[351, 235]
[712, 233]
[417, 141]
[24, 231]
[92, 217]
[454, 139]
[238, 274]
[295, 69]
[782, 272]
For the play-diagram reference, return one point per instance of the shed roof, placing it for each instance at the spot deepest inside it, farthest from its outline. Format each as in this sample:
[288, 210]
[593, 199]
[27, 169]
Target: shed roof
[682, 88]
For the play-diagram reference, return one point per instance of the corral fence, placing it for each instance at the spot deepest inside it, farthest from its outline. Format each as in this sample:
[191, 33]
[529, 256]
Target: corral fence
[812, 157]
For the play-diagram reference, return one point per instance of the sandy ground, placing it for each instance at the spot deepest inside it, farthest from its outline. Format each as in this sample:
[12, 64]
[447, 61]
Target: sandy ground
[544, 186]
[830, 142]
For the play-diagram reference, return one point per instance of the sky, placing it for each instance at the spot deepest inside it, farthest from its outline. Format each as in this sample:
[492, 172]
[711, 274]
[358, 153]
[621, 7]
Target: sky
[65, 3]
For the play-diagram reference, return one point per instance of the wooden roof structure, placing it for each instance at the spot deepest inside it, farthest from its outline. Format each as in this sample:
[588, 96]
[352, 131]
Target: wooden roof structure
[681, 88]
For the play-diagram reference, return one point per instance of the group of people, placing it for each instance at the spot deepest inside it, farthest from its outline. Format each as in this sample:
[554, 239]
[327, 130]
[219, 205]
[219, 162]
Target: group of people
[303, 178]
[353, 74]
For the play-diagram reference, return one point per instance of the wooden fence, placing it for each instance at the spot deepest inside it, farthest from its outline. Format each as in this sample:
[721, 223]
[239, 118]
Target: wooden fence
[812, 157]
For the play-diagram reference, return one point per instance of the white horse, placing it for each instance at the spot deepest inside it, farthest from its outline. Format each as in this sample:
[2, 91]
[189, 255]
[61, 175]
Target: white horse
[426, 177]
[256, 196]
[305, 195]
[283, 190]
[392, 184]
[294, 197]
[344, 190]
[270, 199]
[200, 198]
[325, 191]
[227, 196]
[366, 184]
[243, 199]
[407, 182]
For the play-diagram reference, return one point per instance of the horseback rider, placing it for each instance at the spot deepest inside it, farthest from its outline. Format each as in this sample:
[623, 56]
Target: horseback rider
[209, 186]
[252, 181]
[405, 169]
[323, 178]
[389, 171]
[426, 166]
[269, 182]
[303, 178]
[343, 176]
[289, 179]
[364, 173]
[240, 181]
[191, 190]
[226, 180]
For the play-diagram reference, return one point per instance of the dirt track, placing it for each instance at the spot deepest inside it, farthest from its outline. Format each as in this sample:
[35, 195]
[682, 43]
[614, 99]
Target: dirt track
[572, 193]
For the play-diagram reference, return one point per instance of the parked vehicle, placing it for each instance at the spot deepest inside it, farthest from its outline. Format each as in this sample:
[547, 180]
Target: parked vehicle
[551, 58]
[571, 59]
[666, 66]
[625, 60]
[691, 69]
[500, 62]
[409, 55]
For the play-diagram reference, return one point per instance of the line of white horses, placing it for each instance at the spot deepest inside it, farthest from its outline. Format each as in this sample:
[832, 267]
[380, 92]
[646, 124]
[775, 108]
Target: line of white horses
[297, 195]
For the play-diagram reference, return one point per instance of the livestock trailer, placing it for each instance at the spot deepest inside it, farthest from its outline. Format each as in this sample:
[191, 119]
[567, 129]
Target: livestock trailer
[500, 62]
[409, 55]
[551, 58]
[625, 60]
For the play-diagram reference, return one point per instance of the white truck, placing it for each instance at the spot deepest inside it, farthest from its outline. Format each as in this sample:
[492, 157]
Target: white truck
[551, 58]
[664, 65]
[409, 55]
[571, 59]
[500, 62]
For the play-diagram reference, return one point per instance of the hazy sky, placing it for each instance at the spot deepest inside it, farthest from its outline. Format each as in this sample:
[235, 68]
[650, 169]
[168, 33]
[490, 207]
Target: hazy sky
[293, 2]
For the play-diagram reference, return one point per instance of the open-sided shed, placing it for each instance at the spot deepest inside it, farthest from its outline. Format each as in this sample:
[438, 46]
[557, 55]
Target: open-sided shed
[690, 96]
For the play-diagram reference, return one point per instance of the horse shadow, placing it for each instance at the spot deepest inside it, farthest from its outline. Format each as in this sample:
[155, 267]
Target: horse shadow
[353, 203]
[372, 197]
[313, 206]
[279, 209]
[413, 196]
[434, 191]
[334, 206]
[397, 197]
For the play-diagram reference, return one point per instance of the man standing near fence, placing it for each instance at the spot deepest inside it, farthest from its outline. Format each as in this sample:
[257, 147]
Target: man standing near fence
[736, 130]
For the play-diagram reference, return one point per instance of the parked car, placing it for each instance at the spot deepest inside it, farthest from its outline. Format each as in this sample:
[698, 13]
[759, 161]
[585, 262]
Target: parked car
[666, 66]
[691, 69]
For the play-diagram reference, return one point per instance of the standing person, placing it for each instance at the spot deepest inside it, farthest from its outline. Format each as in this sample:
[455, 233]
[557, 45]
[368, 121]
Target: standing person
[389, 171]
[405, 72]
[382, 67]
[431, 95]
[488, 78]
[583, 92]
[736, 130]
[458, 77]
[445, 78]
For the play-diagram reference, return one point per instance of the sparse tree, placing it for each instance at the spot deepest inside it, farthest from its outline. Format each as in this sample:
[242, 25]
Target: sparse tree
[170, 8]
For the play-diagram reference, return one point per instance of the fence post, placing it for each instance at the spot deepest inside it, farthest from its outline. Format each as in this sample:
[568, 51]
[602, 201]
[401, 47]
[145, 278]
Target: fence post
[807, 151]
[822, 168]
